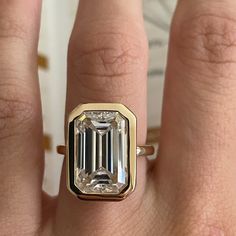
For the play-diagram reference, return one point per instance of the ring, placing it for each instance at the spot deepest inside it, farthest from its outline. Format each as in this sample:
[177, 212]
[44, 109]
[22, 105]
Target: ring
[101, 151]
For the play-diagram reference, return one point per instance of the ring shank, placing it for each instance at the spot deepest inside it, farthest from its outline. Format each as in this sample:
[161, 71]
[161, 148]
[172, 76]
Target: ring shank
[146, 150]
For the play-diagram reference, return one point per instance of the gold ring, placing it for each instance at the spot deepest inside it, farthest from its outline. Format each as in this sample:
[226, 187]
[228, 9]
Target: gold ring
[101, 151]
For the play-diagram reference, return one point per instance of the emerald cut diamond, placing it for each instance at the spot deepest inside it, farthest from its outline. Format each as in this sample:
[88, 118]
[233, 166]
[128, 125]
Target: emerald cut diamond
[101, 149]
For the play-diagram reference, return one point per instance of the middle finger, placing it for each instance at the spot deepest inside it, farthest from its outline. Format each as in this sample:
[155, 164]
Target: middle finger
[197, 166]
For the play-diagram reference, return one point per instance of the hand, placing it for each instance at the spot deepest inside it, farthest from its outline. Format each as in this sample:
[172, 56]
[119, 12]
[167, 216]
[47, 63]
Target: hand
[191, 188]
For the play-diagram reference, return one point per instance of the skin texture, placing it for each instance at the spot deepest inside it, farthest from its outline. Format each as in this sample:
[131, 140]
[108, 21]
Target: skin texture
[190, 189]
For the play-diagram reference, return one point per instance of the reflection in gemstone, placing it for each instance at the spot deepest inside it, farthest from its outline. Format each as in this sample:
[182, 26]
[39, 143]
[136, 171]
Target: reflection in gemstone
[102, 152]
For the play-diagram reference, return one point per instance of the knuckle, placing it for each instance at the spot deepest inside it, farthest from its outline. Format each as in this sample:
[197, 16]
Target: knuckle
[11, 28]
[207, 40]
[17, 112]
[206, 51]
[107, 58]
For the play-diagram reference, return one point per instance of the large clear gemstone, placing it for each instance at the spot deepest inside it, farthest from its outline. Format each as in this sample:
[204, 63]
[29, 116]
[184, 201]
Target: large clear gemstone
[101, 163]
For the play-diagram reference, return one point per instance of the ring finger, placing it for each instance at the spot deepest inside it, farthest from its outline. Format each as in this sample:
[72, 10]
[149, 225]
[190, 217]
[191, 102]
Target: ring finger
[107, 62]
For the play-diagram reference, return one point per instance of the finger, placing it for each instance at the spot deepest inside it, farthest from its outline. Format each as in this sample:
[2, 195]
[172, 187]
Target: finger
[107, 63]
[21, 158]
[197, 166]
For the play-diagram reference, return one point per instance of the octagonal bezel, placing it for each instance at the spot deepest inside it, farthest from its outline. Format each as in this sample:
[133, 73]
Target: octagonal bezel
[123, 110]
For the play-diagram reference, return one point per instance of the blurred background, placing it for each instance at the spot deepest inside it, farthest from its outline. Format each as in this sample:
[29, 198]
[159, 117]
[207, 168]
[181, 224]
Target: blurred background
[57, 22]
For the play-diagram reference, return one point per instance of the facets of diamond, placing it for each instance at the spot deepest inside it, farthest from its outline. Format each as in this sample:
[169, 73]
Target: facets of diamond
[101, 115]
[101, 164]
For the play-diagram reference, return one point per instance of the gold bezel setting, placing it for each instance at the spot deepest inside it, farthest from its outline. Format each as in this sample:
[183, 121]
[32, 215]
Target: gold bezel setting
[70, 147]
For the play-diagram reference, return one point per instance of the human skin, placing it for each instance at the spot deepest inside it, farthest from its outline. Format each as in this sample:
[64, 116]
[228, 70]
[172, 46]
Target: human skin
[191, 188]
